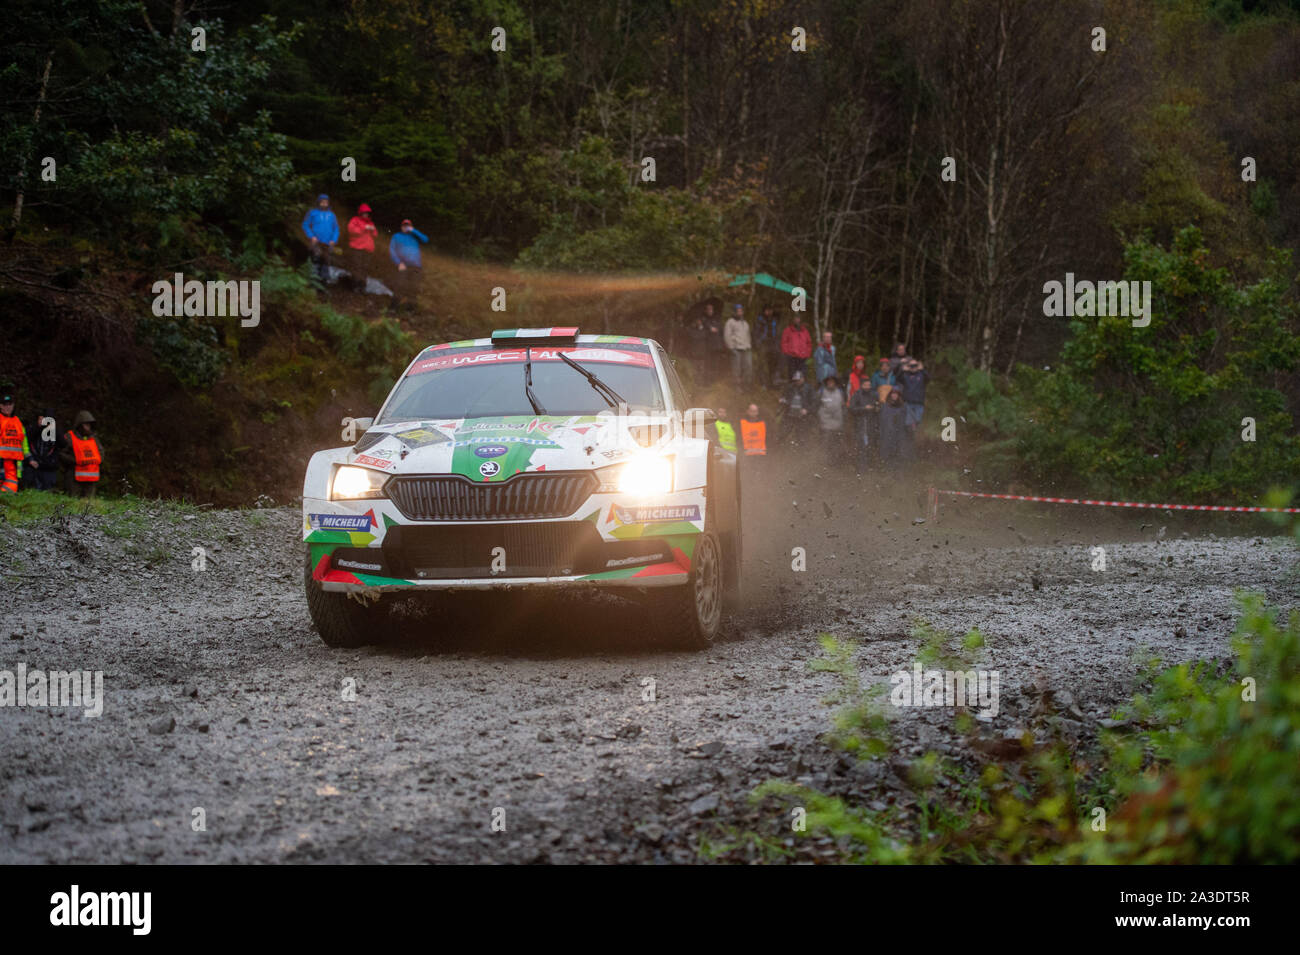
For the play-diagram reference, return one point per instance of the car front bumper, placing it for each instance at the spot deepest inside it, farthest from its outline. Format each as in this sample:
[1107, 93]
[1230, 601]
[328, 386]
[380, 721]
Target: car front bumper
[369, 546]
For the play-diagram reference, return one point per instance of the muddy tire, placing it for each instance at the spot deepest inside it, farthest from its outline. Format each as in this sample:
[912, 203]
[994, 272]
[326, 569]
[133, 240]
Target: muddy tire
[688, 617]
[340, 620]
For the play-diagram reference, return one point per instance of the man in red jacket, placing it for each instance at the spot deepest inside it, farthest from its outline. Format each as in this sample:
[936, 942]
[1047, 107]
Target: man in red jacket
[361, 246]
[796, 345]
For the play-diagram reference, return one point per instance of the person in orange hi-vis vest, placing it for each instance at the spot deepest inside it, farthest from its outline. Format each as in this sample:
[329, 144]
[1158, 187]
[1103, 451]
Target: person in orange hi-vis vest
[13, 445]
[753, 433]
[82, 456]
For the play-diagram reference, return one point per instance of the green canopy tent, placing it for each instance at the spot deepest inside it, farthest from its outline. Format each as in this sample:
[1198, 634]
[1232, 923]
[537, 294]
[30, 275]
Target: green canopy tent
[761, 278]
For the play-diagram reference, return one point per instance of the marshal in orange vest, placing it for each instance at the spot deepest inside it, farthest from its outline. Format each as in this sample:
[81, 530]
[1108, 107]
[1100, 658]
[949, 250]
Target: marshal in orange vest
[86, 453]
[13, 438]
[753, 436]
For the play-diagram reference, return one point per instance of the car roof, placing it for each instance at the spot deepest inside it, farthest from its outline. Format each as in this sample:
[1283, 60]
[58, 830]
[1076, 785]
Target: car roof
[579, 340]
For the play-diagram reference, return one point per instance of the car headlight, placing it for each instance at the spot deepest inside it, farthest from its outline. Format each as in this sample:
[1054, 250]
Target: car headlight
[351, 484]
[641, 476]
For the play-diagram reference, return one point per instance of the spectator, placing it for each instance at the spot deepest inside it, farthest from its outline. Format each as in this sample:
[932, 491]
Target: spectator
[798, 402]
[883, 380]
[897, 357]
[864, 408]
[724, 430]
[404, 250]
[697, 344]
[81, 456]
[322, 231]
[42, 471]
[858, 375]
[796, 345]
[361, 246]
[911, 381]
[714, 345]
[768, 333]
[893, 429]
[830, 417]
[824, 359]
[736, 337]
[753, 434]
[13, 446]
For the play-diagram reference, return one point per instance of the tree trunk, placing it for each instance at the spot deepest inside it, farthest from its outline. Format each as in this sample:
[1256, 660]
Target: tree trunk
[686, 98]
[907, 221]
[27, 156]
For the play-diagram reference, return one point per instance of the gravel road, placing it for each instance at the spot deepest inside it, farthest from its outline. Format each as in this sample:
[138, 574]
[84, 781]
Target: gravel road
[219, 696]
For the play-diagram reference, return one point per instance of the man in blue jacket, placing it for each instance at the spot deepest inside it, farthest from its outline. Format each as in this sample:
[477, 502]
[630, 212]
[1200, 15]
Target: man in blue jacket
[824, 360]
[883, 377]
[404, 250]
[322, 231]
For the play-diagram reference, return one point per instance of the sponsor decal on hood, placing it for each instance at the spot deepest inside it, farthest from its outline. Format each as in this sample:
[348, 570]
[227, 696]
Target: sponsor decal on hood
[375, 462]
[420, 437]
[517, 443]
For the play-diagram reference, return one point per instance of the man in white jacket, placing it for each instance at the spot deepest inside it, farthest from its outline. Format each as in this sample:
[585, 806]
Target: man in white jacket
[735, 335]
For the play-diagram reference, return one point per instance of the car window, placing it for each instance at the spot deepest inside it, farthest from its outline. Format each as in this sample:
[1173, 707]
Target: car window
[674, 383]
[486, 382]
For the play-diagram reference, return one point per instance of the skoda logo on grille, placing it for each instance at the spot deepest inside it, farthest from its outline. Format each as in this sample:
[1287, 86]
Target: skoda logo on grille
[489, 468]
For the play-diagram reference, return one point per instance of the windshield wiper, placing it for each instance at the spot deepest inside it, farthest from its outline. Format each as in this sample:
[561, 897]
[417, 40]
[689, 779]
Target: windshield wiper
[528, 382]
[612, 397]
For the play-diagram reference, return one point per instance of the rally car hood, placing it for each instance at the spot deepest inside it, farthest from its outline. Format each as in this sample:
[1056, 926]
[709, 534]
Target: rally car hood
[495, 449]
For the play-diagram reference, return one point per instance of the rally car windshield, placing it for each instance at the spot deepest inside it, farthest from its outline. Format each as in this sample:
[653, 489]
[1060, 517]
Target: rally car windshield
[486, 383]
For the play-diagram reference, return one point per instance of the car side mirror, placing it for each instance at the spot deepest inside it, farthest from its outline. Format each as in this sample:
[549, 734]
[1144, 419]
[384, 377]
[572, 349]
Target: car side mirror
[696, 421]
[363, 424]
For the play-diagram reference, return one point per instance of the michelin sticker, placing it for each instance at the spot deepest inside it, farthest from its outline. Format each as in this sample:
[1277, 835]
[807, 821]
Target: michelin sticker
[341, 522]
[656, 513]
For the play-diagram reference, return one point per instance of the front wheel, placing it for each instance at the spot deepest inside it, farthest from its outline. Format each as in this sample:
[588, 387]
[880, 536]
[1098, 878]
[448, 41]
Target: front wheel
[341, 620]
[689, 616]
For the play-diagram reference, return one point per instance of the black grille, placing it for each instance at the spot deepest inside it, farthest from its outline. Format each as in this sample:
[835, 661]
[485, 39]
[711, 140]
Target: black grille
[450, 497]
[528, 550]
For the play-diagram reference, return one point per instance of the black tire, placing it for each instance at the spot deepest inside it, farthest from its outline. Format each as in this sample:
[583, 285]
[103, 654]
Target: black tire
[689, 616]
[341, 621]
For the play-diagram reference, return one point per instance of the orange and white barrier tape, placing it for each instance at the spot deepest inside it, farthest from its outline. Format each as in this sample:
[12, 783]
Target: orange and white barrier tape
[935, 492]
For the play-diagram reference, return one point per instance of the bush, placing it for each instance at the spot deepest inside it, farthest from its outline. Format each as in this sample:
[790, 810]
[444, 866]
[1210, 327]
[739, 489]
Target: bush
[1156, 410]
[189, 348]
[380, 347]
[1224, 758]
[1204, 771]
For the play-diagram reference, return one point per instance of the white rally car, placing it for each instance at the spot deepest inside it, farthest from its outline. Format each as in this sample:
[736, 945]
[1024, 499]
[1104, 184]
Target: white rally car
[536, 458]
